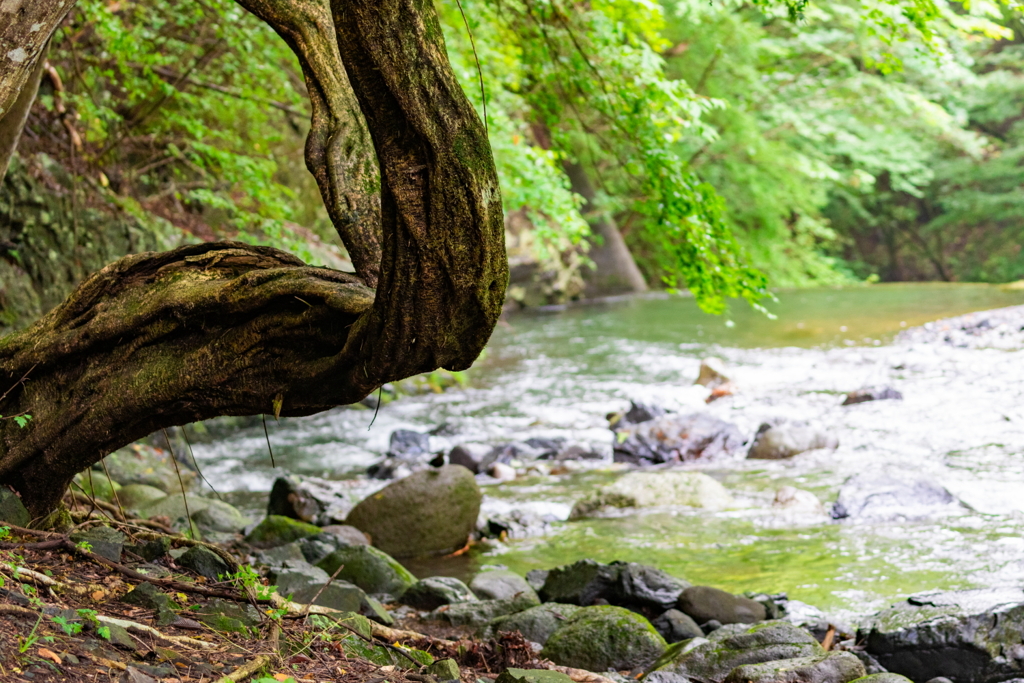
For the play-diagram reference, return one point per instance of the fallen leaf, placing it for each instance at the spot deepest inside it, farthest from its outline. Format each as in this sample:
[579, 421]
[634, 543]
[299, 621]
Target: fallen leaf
[49, 654]
[97, 595]
[281, 677]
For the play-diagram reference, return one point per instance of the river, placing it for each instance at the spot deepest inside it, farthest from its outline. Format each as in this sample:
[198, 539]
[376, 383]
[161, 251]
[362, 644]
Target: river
[559, 372]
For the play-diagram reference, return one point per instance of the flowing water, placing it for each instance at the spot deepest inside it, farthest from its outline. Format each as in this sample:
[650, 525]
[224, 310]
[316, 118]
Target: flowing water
[559, 372]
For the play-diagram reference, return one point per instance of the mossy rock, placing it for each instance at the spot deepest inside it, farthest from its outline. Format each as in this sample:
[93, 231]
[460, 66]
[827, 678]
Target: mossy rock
[427, 513]
[479, 613]
[604, 637]
[833, 667]
[882, 678]
[374, 571]
[275, 530]
[536, 624]
[140, 464]
[735, 645]
[382, 656]
[12, 510]
[532, 676]
[137, 496]
[98, 486]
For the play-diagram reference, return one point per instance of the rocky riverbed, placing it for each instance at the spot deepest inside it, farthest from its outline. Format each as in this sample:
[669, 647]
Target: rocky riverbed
[675, 510]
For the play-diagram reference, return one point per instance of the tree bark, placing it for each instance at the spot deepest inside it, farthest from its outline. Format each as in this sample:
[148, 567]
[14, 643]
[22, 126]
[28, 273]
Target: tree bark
[615, 270]
[156, 340]
[339, 152]
[13, 122]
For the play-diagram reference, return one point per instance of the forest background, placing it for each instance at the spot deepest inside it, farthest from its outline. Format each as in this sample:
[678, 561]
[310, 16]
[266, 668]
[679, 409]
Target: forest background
[731, 145]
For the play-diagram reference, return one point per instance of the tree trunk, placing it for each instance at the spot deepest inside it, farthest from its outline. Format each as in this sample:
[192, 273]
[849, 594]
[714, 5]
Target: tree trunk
[616, 272]
[156, 340]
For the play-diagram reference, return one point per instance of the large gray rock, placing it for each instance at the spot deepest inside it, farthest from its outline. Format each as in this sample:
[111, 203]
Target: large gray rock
[12, 510]
[369, 568]
[137, 496]
[470, 455]
[882, 496]
[305, 585]
[716, 656]
[678, 438]
[407, 444]
[310, 499]
[967, 636]
[427, 513]
[432, 592]
[655, 489]
[204, 562]
[102, 541]
[676, 626]
[833, 667]
[499, 584]
[479, 613]
[604, 637]
[140, 464]
[704, 604]
[219, 516]
[536, 624]
[276, 530]
[788, 439]
[626, 584]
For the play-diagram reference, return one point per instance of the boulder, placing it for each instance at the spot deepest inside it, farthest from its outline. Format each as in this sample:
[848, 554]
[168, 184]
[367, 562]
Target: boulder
[723, 650]
[103, 540]
[309, 585]
[369, 568]
[139, 464]
[222, 615]
[282, 555]
[478, 613]
[832, 667]
[626, 584]
[275, 530]
[704, 603]
[516, 524]
[98, 485]
[221, 516]
[151, 550]
[470, 455]
[580, 583]
[654, 489]
[146, 595]
[968, 636]
[537, 577]
[137, 496]
[428, 513]
[872, 394]
[781, 441]
[346, 535]
[311, 499]
[12, 510]
[499, 584]
[678, 438]
[884, 678]
[604, 637]
[581, 451]
[444, 670]
[675, 626]
[637, 413]
[405, 444]
[536, 624]
[797, 500]
[431, 593]
[532, 676]
[882, 496]
[204, 562]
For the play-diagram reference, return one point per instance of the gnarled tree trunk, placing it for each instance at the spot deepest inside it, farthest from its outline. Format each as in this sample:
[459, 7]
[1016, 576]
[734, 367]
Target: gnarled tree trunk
[156, 340]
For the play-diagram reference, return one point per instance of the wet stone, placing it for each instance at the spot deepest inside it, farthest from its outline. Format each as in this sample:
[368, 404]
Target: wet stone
[478, 614]
[431, 593]
[12, 510]
[105, 542]
[536, 624]
[675, 626]
[204, 562]
[444, 670]
[704, 603]
[500, 584]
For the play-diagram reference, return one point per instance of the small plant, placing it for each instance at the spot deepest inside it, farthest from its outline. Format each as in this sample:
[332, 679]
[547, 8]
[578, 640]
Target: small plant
[71, 628]
[5, 533]
[84, 546]
[90, 616]
[20, 420]
[249, 581]
[31, 639]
